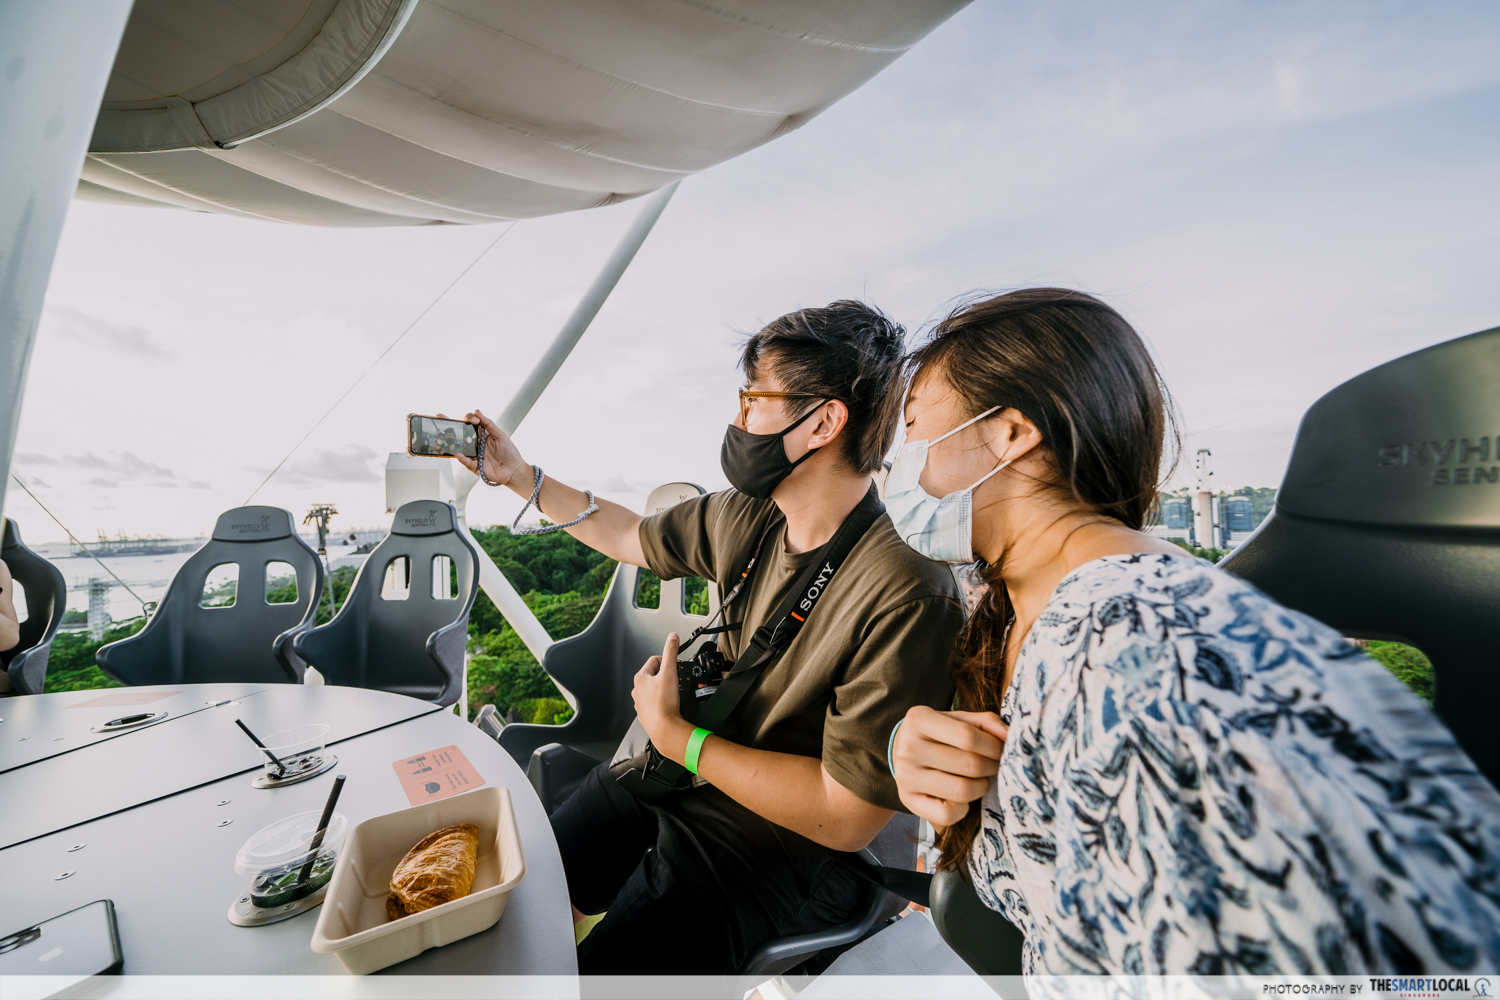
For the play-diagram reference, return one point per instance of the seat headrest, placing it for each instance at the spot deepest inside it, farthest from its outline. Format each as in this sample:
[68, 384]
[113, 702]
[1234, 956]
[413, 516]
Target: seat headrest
[1415, 442]
[254, 524]
[670, 495]
[423, 517]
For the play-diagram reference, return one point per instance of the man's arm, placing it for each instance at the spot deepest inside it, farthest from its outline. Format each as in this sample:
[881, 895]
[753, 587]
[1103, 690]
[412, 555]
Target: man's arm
[10, 628]
[789, 790]
[612, 529]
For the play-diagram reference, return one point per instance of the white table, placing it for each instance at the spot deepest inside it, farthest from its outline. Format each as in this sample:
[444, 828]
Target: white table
[150, 808]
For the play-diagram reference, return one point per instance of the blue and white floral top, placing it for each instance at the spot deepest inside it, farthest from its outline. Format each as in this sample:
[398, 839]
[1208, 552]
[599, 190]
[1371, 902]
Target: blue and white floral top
[1198, 780]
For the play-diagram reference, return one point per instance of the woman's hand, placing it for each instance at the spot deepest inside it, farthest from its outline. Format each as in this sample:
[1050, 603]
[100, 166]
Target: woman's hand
[656, 704]
[945, 760]
[501, 458]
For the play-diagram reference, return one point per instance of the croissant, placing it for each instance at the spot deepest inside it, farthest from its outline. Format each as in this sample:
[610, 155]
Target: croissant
[439, 869]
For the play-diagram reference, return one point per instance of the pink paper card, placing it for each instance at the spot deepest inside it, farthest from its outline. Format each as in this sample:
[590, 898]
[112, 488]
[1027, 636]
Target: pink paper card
[436, 774]
[120, 698]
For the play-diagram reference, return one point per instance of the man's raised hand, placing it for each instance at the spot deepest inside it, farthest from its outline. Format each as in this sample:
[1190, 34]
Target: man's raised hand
[501, 458]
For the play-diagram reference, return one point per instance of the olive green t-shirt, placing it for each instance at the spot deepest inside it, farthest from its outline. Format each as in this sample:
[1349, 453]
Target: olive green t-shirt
[879, 641]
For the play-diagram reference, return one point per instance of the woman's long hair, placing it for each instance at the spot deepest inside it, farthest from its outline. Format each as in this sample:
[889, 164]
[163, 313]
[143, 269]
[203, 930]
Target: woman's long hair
[1077, 370]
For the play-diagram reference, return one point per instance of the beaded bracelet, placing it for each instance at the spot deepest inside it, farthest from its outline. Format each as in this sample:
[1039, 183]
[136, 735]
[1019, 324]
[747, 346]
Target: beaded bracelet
[536, 491]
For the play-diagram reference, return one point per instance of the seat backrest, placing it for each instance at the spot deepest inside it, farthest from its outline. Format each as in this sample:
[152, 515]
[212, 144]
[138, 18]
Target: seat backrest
[46, 601]
[598, 665]
[188, 643]
[404, 625]
[1387, 523]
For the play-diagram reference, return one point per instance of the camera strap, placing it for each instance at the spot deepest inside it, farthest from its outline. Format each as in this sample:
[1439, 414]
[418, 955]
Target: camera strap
[783, 625]
[723, 612]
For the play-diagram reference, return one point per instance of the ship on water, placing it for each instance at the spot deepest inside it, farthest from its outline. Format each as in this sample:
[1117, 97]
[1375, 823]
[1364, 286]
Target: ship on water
[133, 545]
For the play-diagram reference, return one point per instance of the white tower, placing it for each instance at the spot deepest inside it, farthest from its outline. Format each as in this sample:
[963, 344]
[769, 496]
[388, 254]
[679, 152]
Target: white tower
[1203, 502]
[98, 607]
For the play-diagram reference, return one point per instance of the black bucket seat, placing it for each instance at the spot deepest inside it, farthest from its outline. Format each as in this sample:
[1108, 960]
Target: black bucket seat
[191, 640]
[405, 623]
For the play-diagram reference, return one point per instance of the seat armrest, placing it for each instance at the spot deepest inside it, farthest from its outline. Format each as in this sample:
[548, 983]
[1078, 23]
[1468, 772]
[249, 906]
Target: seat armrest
[118, 659]
[987, 941]
[305, 643]
[28, 670]
[286, 654]
[780, 950]
[555, 770]
[446, 647]
[488, 722]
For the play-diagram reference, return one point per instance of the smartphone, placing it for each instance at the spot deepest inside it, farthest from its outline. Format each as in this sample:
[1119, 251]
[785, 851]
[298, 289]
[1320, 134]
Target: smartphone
[82, 942]
[439, 437]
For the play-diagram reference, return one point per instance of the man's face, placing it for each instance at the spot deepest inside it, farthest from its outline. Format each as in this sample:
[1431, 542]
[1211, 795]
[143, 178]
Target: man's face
[772, 415]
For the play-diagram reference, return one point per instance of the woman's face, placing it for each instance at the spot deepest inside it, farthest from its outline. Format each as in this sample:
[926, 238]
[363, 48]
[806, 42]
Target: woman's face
[932, 410]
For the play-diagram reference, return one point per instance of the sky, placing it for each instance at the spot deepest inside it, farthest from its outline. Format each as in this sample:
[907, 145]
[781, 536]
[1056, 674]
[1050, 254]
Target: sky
[1278, 196]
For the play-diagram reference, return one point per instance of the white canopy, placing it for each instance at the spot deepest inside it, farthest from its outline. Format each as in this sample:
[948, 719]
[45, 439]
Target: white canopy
[411, 112]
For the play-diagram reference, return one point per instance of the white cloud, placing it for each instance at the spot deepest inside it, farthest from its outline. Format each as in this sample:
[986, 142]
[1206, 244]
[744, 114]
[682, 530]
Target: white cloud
[94, 331]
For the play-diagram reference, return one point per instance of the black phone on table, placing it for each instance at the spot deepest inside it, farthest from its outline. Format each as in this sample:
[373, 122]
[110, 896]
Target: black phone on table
[82, 942]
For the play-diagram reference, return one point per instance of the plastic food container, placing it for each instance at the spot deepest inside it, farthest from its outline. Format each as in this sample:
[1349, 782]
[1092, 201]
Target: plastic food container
[300, 750]
[353, 924]
[273, 858]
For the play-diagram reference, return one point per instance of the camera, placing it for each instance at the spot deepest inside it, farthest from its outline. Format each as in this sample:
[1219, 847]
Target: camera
[699, 677]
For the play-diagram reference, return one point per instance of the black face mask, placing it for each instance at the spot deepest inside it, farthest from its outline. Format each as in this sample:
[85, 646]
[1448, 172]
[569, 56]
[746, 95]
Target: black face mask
[755, 464]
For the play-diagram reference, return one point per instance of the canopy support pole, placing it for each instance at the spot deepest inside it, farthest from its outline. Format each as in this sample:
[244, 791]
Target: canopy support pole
[56, 57]
[491, 580]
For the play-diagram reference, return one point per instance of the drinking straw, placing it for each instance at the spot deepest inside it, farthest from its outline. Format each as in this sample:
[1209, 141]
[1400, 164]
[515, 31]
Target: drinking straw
[317, 841]
[280, 767]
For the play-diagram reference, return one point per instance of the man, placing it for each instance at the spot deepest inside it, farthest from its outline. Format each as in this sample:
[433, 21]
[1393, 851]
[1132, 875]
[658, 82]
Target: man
[694, 882]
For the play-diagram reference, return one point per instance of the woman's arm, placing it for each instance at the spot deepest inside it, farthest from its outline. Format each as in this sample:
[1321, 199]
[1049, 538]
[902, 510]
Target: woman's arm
[10, 626]
[790, 790]
[945, 760]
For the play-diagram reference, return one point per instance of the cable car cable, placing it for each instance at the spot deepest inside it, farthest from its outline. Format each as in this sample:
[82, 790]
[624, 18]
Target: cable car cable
[377, 361]
[145, 607]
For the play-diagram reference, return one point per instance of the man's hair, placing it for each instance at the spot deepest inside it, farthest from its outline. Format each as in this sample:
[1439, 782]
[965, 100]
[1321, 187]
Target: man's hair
[847, 351]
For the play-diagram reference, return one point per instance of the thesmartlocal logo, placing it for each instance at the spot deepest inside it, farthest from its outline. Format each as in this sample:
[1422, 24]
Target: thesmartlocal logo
[1422, 986]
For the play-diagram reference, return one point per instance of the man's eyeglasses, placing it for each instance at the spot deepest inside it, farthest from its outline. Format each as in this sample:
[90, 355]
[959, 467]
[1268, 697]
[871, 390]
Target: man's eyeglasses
[749, 396]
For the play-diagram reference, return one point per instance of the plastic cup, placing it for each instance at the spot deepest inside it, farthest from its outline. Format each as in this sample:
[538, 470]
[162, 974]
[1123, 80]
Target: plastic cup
[273, 857]
[300, 750]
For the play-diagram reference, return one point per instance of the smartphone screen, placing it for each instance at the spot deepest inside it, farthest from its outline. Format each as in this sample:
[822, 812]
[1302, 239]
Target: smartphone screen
[440, 437]
[81, 942]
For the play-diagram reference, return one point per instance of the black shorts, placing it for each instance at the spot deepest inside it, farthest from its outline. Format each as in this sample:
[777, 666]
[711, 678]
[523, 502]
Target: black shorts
[692, 884]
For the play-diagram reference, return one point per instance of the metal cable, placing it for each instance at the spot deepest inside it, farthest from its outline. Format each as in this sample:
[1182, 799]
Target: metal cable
[145, 608]
[377, 361]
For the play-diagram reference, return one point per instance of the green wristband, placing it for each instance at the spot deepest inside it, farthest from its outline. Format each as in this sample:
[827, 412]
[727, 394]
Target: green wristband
[694, 747]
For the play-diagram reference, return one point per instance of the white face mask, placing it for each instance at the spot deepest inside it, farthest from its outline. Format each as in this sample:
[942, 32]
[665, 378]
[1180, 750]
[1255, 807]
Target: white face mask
[939, 529]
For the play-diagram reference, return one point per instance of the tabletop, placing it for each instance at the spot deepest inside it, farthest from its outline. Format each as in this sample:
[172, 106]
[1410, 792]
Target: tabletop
[35, 727]
[153, 820]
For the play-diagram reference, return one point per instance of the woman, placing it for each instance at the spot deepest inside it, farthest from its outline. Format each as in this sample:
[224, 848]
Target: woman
[1191, 778]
